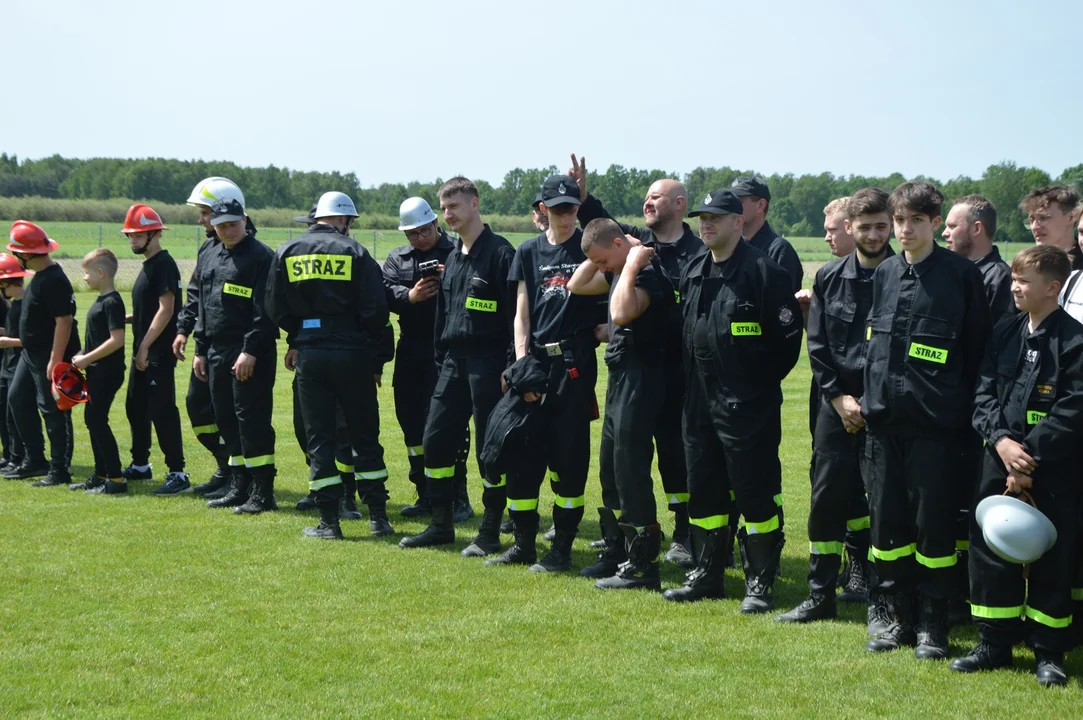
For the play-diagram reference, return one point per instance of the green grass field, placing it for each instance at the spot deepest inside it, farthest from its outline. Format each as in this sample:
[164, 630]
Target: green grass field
[142, 606]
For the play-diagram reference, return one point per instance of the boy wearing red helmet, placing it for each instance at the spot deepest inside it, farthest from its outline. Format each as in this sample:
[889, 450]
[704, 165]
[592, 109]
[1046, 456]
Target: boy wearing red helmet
[49, 335]
[11, 293]
[152, 396]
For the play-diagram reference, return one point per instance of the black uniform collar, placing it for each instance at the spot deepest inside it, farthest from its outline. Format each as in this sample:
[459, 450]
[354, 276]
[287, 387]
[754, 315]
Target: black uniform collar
[483, 238]
[851, 268]
[729, 268]
[243, 246]
[1046, 327]
[764, 234]
[324, 228]
[681, 245]
[992, 258]
[925, 265]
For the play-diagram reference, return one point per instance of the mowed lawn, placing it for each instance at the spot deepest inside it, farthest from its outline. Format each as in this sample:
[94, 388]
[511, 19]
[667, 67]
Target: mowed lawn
[142, 606]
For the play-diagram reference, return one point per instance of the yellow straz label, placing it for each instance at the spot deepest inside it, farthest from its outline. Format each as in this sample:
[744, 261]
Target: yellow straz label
[319, 267]
[1033, 416]
[480, 305]
[238, 290]
[745, 329]
[677, 296]
[929, 354]
[868, 333]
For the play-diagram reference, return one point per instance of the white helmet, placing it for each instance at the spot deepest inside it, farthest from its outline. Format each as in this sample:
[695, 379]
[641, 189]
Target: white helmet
[213, 189]
[415, 212]
[335, 203]
[1013, 530]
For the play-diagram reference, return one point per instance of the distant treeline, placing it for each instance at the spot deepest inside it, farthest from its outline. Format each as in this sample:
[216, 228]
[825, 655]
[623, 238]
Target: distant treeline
[796, 206]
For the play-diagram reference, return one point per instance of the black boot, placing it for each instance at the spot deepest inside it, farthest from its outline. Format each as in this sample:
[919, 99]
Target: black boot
[900, 624]
[219, 480]
[240, 483]
[984, 657]
[559, 557]
[487, 541]
[440, 532]
[680, 552]
[328, 529]
[1049, 668]
[612, 553]
[507, 527]
[856, 587]
[823, 573]
[347, 507]
[261, 497]
[550, 534]
[422, 507]
[706, 581]
[640, 570]
[308, 502]
[932, 629]
[524, 550]
[379, 525]
[462, 510]
[759, 556]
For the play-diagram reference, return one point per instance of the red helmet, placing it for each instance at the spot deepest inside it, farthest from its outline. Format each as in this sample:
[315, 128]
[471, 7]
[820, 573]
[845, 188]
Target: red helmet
[10, 268]
[29, 239]
[142, 218]
[69, 386]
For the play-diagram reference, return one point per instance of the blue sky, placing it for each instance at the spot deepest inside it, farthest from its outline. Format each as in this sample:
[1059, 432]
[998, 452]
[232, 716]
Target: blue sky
[396, 91]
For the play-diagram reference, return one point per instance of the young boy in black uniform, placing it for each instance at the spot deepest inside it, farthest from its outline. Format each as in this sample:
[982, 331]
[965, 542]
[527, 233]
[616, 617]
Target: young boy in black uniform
[926, 333]
[557, 328]
[1029, 409]
[475, 308]
[235, 352]
[841, 298]
[103, 364]
[742, 336]
[11, 293]
[49, 334]
[152, 396]
[640, 298]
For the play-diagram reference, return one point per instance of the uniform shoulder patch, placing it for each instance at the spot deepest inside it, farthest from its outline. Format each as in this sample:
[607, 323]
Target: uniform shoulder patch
[785, 315]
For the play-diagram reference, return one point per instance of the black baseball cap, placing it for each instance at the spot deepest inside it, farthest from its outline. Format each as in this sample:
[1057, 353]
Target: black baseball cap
[537, 201]
[719, 202]
[751, 185]
[224, 211]
[559, 190]
[309, 219]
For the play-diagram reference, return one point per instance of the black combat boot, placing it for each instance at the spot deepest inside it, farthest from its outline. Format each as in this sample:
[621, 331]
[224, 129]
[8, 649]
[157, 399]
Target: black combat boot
[379, 525]
[706, 580]
[612, 553]
[759, 556]
[441, 531]
[1049, 668]
[640, 570]
[328, 529]
[462, 509]
[900, 624]
[422, 507]
[219, 480]
[487, 541]
[524, 551]
[261, 497]
[347, 507]
[680, 552]
[985, 656]
[856, 587]
[823, 573]
[240, 484]
[559, 557]
[932, 629]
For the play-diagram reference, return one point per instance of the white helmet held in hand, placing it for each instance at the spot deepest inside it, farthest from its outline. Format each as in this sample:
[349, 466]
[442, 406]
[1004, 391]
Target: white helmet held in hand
[334, 203]
[1015, 531]
[213, 189]
[414, 213]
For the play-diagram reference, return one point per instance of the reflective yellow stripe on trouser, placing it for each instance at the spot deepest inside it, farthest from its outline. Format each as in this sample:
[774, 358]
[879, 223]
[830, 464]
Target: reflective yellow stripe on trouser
[415, 450]
[440, 473]
[372, 475]
[502, 483]
[568, 503]
[343, 467]
[762, 528]
[996, 613]
[825, 548]
[204, 429]
[912, 549]
[711, 522]
[678, 498]
[861, 523]
[260, 461]
[236, 460]
[1040, 617]
[324, 482]
[523, 505]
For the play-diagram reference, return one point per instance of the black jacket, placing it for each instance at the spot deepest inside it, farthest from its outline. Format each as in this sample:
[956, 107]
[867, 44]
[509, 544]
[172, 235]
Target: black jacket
[753, 293]
[926, 335]
[416, 321]
[232, 298]
[325, 290]
[476, 304]
[511, 422]
[779, 249]
[189, 314]
[1030, 387]
[836, 327]
[997, 278]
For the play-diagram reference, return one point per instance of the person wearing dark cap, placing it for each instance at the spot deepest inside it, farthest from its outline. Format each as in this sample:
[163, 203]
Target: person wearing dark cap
[541, 220]
[557, 329]
[235, 353]
[411, 279]
[742, 336]
[756, 199]
[676, 247]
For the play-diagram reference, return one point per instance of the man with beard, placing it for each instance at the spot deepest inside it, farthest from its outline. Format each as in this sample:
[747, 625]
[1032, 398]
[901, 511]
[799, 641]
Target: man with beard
[541, 220]
[675, 246]
[841, 297]
[969, 231]
[1051, 212]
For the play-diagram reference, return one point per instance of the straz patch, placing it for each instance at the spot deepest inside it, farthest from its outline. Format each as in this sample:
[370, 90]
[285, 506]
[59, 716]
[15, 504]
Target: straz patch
[928, 353]
[746, 329]
[319, 267]
[238, 290]
[1033, 416]
[1046, 390]
[473, 303]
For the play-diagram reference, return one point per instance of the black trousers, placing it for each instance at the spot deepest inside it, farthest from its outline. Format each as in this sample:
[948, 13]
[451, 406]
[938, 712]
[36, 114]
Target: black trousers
[9, 438]
[343, 451]
[668, 437]
[57, 423]
[838, 503]
[732, 455]
[200, 409]
[24, 421]
[634, 398]
[103, 384]
[244, 409]
[914, 503]
[152, 399]
[465, 387]
[562, 441]
[413, 383]
[328, 384]
[1008, 605]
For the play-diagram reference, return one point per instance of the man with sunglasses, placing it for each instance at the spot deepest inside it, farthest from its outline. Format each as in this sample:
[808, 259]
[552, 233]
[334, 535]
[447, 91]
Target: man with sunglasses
[412, 279]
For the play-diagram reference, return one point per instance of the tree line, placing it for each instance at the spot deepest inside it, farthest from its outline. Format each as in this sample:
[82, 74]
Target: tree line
[796, 206]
